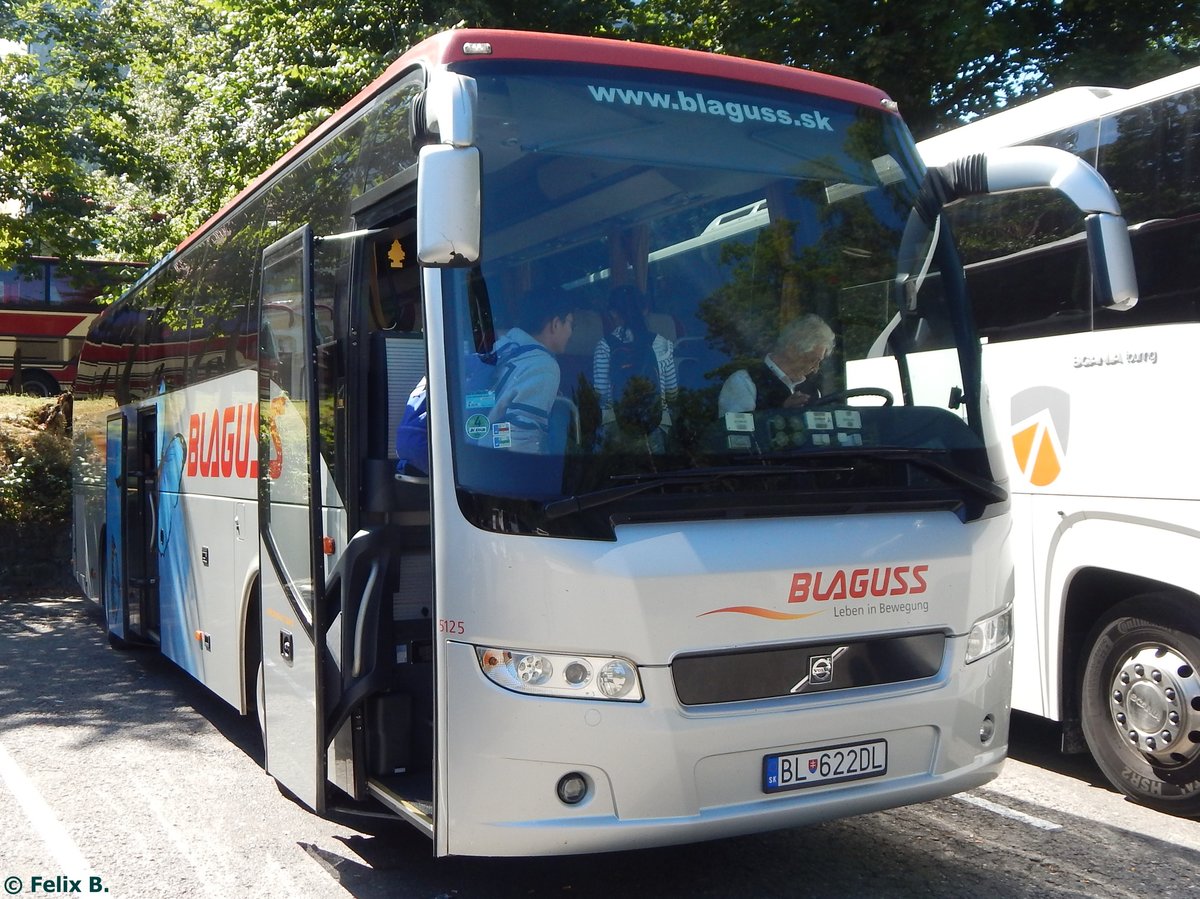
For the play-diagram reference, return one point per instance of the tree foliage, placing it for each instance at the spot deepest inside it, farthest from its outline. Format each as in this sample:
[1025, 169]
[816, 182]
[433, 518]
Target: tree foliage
[66, 126]
[942, 62]
[144, 116]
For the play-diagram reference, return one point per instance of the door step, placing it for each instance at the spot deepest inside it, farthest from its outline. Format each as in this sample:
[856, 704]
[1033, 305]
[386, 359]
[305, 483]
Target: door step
[416, 811]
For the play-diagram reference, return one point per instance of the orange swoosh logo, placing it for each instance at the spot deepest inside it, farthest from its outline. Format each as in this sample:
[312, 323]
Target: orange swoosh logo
[762, 613]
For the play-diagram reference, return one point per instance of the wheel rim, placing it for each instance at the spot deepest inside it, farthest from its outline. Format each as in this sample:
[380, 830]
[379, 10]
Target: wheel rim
[1154, 700]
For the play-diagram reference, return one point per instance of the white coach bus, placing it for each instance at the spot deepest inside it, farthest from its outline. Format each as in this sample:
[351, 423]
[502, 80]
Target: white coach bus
[577, 633]
[1092, 403]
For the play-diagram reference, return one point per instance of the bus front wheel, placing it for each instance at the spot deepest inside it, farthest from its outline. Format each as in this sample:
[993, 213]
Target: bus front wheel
[1141, 701]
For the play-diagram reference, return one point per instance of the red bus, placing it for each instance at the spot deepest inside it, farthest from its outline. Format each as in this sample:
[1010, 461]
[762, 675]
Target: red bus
[46, 309]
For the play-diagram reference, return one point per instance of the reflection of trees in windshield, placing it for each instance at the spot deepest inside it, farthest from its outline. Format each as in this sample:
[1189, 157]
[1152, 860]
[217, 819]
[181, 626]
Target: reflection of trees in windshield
[824, 242]
[726, 246]
[774, 278]
[742, 316]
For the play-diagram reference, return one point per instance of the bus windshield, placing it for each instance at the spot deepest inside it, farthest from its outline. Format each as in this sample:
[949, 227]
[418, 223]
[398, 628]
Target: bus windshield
[676, 274]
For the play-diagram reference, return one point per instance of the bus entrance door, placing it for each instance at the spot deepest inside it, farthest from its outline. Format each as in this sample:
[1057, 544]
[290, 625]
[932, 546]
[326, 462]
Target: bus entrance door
[141, 526]
[131, 554]
[113, 586]
[292, 568]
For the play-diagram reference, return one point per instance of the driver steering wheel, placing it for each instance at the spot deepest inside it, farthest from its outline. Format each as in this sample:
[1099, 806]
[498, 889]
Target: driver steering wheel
[840, 395]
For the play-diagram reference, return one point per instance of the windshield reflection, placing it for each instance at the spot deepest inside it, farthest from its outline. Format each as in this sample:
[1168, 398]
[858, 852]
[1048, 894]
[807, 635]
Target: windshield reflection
[666, 291]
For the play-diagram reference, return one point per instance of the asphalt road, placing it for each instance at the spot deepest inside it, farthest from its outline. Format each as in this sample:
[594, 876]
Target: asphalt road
[120, 775]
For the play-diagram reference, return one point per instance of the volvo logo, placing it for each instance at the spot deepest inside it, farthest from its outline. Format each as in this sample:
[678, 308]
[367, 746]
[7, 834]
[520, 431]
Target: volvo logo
[820, 670]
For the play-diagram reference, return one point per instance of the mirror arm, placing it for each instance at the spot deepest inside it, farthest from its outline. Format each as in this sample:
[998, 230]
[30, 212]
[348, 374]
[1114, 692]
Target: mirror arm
[1024, 168]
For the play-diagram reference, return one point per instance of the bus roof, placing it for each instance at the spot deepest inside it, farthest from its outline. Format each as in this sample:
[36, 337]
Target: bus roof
[450, 47]
[1049, 113]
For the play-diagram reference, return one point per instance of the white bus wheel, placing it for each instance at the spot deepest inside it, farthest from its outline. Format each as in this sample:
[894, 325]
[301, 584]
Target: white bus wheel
[1140, 705]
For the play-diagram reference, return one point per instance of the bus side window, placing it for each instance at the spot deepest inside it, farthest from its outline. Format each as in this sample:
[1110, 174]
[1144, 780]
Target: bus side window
[1167, 258]
[1028, 272]
[1150, 155]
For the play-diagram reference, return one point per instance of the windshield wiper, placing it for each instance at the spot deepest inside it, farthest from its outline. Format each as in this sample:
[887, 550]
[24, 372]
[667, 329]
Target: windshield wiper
[640, 482]
[637, 483]
[927, 459]
[989, 490]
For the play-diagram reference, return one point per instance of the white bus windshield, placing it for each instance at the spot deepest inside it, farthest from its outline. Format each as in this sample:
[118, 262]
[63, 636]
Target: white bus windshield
[719, 253]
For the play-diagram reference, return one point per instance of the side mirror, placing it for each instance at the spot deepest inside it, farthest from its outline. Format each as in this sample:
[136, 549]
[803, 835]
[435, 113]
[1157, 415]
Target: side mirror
[448, 216]
[1112, 261]
[448, 222]
[1021, 168]
[1017, 168]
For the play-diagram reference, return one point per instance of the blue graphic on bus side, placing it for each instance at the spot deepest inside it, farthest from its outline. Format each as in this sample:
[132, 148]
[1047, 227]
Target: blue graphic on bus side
[114, 499]
[175, 572]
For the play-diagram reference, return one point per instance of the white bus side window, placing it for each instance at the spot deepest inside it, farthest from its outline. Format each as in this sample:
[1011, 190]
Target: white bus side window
[1150, 155]
[1028, 273]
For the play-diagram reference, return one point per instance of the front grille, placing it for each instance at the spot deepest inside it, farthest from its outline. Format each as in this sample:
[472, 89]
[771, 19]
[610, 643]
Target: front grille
[705, 678]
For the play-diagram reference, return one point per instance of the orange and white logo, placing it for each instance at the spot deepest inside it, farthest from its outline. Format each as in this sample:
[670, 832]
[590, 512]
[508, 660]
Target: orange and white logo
[842, 583]
[1041, 421]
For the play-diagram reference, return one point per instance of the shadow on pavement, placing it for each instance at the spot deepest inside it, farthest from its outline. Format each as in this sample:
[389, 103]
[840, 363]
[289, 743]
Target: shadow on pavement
[57, 670]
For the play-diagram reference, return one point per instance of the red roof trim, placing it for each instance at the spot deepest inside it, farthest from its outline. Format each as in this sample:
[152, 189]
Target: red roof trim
[605, 51]
[446, 48]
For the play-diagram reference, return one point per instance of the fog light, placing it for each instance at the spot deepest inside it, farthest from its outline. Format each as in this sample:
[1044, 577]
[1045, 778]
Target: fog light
[572, 788]
[987, 730]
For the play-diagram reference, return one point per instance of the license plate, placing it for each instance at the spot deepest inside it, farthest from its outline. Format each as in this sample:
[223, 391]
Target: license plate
[826, 765]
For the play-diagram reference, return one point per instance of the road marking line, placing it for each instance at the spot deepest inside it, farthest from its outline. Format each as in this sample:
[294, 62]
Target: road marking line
[1005, 811]
[42, 817]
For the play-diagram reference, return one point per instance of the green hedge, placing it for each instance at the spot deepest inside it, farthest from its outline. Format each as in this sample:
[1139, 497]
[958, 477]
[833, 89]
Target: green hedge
[35, 494]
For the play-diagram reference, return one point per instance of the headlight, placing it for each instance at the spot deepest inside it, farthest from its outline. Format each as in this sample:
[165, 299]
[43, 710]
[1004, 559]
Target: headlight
[989, 634]
[551, 674]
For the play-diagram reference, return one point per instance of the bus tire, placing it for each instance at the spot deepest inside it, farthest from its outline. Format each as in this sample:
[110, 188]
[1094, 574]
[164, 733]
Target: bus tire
[1140, 702]
[37, 383]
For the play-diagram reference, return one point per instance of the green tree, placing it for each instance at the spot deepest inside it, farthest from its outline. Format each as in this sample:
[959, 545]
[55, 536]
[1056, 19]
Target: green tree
[1119, 43]
[916, 50]
[277, 68]
[145, 116]
[66, 126]
[942, 62]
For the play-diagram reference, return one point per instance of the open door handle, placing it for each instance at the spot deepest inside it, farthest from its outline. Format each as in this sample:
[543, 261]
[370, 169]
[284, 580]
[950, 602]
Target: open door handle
[364, 612]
